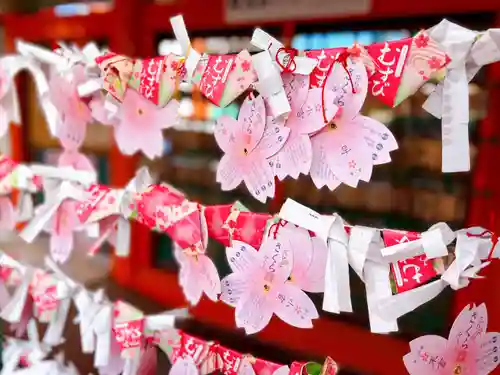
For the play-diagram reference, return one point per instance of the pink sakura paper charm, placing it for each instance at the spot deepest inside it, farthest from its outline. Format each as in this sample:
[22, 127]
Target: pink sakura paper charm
[259, 286]
[140, 124]
[64, 95]
[63, 225]
[306, 117]
[197, 272]
[197, 275]
[248, 144]
[469, 350]
[309, 259]
[345, 150]
[71, 133]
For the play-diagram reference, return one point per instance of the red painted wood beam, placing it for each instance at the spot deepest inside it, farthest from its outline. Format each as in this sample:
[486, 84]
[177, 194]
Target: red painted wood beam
[484, 206]
[46, 26]
[201, 16]
[125, 38]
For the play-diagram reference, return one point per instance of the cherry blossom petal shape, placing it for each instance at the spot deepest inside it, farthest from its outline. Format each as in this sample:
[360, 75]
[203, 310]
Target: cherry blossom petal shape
[294, 307]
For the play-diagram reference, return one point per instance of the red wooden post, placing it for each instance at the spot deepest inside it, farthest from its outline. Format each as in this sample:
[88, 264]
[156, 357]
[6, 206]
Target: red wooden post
[485, 201]
[125, 39]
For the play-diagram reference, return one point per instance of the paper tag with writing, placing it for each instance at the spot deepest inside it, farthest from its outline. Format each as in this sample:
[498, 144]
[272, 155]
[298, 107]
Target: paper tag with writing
[128, 328]
[240, 76]
[231, 361]
[409, 273]
[325, 58]
[390, 60]
[214, 78]
[129, 334]
[150, 78]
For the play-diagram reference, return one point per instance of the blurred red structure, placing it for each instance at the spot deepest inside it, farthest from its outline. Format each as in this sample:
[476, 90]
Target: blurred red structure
[131, 29]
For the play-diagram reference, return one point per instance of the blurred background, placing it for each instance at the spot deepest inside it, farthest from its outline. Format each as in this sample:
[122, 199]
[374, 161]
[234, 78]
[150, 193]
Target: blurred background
[410, 193]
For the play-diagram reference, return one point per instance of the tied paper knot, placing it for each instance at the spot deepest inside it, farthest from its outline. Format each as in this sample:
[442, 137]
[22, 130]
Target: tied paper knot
[95, 321]
[330, 228]
[192, 57]
[468, 51]
[341, 59]
[269, 64]
[489, 235]
[117, 70]
[289, 64]
[55, 196]
[466, 265]
[270, 84]
[286, 58]
[30, 352]
[120, 212]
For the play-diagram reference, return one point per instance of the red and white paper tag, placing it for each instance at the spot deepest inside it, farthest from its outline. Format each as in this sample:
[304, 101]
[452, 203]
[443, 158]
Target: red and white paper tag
[214, 78]
[150, 79]
[326, 58]
[390, 60]
[412, 272]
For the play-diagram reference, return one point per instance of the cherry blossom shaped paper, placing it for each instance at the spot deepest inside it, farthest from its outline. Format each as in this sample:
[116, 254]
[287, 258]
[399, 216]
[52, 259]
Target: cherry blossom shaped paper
[259, 287]
[340, 151]
[141, 123]
[197, 275]
[309, 259]
[247, 144]
[306, 117]
[64, 223]
[64, 95]
[469, 350]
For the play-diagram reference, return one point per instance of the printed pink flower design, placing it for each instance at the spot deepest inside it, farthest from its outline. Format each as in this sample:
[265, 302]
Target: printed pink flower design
[247, 144]
[197, 275]
[309, 259]
[259, 287]
[140, 124]
[246, 65]
[435, 63]
[422, 40]
[64, 95]
[350, 144]
[469, 350]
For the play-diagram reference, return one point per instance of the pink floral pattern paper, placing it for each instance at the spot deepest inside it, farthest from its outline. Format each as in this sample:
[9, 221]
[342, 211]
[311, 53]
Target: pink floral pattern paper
[469, 350]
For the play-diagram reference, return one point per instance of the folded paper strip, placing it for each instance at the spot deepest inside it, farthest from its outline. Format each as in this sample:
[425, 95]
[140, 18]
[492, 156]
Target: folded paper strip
[417, 264]
[120, 335]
